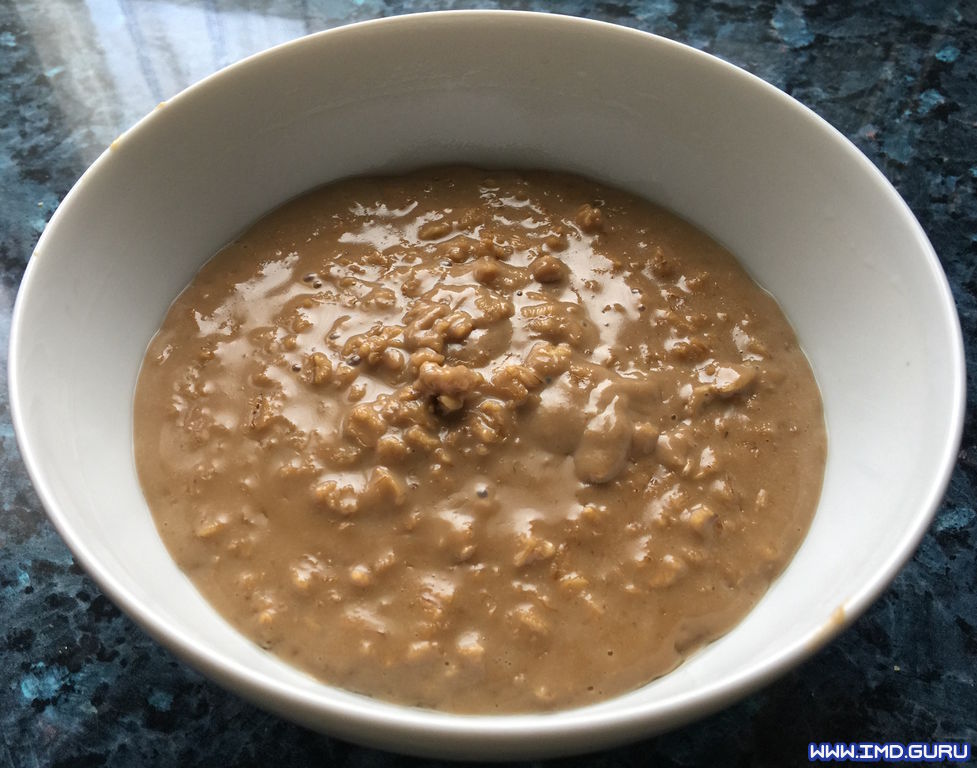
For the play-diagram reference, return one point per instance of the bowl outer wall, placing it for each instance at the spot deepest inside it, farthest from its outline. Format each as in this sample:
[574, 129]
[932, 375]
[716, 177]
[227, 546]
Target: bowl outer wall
[739, 158]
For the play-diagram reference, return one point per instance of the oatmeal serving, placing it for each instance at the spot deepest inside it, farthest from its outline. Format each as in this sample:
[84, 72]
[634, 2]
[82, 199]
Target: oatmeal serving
[478, 441]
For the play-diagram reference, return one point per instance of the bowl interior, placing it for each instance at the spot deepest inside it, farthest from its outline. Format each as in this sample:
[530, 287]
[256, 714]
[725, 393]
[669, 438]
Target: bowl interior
[807, 215]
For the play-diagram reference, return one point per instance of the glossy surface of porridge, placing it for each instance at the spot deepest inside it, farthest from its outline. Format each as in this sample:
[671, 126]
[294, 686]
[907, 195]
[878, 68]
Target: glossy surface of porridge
[478, 441]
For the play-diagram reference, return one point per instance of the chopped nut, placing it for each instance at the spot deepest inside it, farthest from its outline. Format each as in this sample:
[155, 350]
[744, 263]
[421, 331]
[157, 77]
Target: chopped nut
[391, 449]
[592, 513]
[669, 569]
[486, 270]
[662, 266]
[488, 247]
[459, 327]
[336, 498]
[733, 379]
[533, 549]
[528, 615]
[392, 359]
[361, 575]
[701, 519]
[356, 393]
[573, 582]
[556, 242]
[453, 380]
[590, 219]
[418, 437]
[383, 489]
[210, 526]
[304, 571]
[450, 403]
[365, 424]
[344, 375]
[424, 355]
[644, 438]
[321, 368]
[547, 269]
[460, 248]
[514, 382]
[687, 350]
[549, 359]
[262, 379]
[470, 646]
[434, 230]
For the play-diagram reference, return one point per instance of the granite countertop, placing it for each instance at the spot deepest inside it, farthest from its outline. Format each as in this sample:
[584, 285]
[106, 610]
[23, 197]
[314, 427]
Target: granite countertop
[81, 685]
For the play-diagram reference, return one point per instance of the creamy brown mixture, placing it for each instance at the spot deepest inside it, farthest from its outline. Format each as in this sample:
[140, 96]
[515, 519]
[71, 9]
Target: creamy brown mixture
[478, 441]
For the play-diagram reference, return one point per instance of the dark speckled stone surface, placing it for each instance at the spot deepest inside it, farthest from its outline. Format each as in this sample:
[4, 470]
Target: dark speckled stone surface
[81, 685]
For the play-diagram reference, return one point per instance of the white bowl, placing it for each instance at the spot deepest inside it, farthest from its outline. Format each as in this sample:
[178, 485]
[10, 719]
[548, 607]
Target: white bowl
[809, 216]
